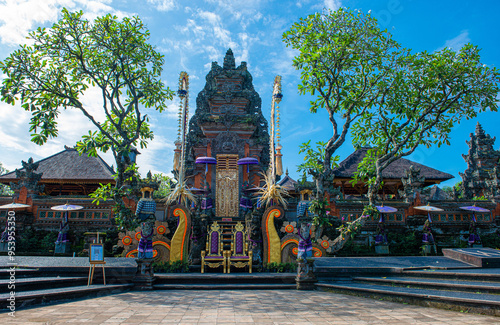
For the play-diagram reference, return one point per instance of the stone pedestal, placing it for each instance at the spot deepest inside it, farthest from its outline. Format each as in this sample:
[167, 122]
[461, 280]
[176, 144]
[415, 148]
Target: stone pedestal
[305, 276]
[144, 276]
[429, 249]
[62, 248]
[382, 249]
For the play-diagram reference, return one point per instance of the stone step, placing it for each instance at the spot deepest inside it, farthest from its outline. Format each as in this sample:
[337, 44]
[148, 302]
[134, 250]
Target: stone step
[225, 286]
[225, 278]
[36, 297]
[455, 285]
[459, 274]
[5, 273]
[40, 283]
[455, 300]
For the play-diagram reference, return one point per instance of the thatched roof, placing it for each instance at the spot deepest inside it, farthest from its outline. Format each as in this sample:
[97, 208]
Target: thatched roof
[68, 166]
[395, 170]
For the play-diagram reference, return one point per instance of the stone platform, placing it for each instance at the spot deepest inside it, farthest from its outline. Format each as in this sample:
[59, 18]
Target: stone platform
[480, 257]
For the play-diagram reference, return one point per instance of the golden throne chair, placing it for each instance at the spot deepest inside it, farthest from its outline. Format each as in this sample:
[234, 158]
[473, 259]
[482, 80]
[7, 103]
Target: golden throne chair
[239, 256]
[214, 256]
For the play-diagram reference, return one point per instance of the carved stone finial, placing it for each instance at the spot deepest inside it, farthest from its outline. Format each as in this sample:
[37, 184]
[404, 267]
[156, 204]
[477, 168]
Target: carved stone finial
[229, 62]
[412, 182]
[28, 178]
[479, 130]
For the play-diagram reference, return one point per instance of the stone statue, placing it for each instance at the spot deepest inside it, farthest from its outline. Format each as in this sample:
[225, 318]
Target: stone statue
[474, 238]
[256, 236]
[427, 237]
[305, 243]
[4, 237]
[145, 212]
[206, 201]
[412, 183]
[381, 237]
[245, 200]
[197, 238]
[62, 237]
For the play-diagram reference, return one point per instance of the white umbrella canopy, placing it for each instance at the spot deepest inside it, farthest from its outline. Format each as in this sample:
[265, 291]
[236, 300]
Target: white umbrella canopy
[428, 208]
[66, 207]
[14, 205]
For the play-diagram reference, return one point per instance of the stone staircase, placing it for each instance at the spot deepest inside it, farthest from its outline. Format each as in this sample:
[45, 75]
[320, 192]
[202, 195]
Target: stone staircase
[221, 281]
[34, 286]
[473, 289]
[227, 227]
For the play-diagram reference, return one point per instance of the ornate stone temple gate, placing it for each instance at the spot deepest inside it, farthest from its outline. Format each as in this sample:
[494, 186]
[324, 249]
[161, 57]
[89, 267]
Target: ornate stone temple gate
[227, 125]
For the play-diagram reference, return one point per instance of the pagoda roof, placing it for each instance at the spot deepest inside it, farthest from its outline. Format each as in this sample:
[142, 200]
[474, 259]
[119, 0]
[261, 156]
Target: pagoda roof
[396, 170]
[287, 182]
[68, 166]
[437, 194]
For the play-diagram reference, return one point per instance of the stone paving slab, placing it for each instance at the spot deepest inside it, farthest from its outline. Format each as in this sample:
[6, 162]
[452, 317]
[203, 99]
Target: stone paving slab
[482, 257]
[235, 307]
[63, 261]
[417, 281]
[472, 271]
[389, 262]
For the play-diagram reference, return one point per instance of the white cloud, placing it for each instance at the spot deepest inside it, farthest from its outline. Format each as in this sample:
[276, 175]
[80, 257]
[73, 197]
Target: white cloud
[282, 62]
[457, 42]
[325, 4]
[243, 11]
[163, 5]
[302, 131]
[332, 4]
[21, 16]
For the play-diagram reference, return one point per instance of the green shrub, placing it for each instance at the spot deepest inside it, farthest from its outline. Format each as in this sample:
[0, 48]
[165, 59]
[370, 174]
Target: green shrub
[280, 267]
[407, 244]
[491, 240]
[171, 267]
[36, 241]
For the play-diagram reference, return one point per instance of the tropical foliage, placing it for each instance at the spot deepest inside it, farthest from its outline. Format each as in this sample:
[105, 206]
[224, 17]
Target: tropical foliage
[74, 55]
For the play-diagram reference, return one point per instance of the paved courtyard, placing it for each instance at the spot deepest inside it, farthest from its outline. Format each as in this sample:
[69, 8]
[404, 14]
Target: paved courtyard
[238, 307]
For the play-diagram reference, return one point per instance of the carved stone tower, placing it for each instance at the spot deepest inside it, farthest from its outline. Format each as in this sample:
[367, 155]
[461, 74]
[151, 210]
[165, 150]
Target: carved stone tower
[228, 125]
[482, 173]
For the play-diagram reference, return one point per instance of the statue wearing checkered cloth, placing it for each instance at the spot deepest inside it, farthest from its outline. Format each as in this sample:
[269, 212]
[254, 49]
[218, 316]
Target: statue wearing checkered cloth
[145, 211]
[146, 208]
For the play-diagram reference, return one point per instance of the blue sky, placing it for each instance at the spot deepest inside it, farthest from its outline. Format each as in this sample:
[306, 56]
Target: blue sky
[192, 34]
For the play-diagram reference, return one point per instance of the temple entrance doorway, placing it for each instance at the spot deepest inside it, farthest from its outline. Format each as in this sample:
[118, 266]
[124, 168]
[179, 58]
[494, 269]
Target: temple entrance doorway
[227, 186]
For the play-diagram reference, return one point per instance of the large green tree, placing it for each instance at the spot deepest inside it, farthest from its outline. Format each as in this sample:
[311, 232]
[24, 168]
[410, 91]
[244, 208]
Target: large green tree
[5, 190]
[429, 93]
[61, 63]
[343, 58]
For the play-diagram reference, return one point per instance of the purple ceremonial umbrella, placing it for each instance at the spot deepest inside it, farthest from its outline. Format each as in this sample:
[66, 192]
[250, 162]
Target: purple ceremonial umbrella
[474, 208]
[207, 161]
[14, 205]
[384, 209]
[248, 161]
[428, 208]
[196, 190]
